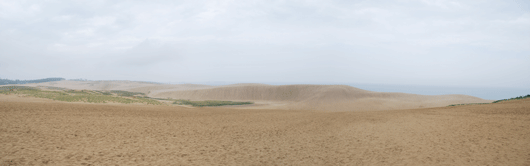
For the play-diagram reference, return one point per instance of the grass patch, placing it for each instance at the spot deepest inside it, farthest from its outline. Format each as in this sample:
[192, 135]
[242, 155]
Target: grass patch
[467, 104]
[209, 103]
[54, 88]
[126, 93]
[515, 98]
[16, 88]
[78, 95]
[104, 92]
[81, 92]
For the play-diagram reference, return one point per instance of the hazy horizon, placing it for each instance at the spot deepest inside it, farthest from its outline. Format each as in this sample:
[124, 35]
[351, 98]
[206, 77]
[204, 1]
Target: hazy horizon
[482, 44]
[489, 93]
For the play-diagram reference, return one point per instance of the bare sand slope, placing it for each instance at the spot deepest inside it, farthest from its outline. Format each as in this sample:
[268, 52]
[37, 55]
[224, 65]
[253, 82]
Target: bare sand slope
[55, 133]
[322, 97]
[154, 90]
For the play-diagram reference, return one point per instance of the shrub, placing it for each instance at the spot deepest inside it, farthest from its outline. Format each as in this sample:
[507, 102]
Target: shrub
[126, 93]
[208, 103]
[515, 98]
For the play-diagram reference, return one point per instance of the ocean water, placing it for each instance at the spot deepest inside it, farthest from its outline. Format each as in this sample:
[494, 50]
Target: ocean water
[482, 92]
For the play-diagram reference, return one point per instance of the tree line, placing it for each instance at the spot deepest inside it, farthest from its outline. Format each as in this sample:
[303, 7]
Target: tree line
[8, 81]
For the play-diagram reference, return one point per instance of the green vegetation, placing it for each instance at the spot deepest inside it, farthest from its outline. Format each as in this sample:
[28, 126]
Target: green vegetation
[105, 93]
[126, 93]
[78, 95]
[468, 104]
[116, 96]
[85, 92]
[7, 81]
[15, 88]
[515, 98]
[55, 88]
[208, 103]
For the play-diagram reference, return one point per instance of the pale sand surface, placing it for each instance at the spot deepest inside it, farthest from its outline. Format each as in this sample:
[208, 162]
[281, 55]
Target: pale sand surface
[58, 133]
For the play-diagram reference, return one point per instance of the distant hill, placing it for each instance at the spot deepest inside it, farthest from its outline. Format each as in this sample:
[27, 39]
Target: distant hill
[7, 81]
[318, 97]
[293, 97]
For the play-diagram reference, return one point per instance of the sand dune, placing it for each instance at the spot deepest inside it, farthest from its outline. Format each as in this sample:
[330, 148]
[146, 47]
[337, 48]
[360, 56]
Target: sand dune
[153, 90]
[57, 133]
[297, 97]
[322, 97]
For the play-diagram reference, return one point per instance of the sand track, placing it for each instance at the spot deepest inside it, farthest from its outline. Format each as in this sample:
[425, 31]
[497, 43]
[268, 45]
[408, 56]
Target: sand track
[55, 133]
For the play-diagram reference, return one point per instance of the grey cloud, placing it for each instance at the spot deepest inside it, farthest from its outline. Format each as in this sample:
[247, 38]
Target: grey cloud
[147, 53]
[425, 41]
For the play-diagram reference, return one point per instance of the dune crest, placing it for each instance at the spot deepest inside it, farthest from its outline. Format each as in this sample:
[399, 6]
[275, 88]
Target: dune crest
[322, 97]
[298, 97]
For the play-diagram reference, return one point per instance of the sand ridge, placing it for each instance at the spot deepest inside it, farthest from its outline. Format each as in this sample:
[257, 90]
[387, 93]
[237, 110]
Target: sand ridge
[331, 98]
[322, 97]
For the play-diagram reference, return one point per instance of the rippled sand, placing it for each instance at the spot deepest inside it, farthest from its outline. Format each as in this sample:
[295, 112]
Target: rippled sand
[55, 133]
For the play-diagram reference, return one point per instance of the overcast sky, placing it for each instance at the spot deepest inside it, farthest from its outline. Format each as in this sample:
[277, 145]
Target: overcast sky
[425, 42]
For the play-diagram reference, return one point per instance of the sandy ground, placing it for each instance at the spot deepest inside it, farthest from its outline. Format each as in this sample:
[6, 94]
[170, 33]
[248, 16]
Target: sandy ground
[57, 133]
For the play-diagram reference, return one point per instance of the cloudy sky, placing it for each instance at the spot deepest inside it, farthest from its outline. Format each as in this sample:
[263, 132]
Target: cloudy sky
[406, 42]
